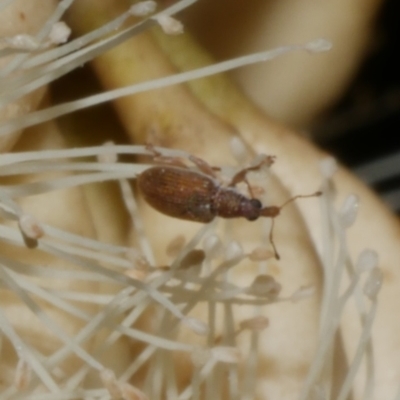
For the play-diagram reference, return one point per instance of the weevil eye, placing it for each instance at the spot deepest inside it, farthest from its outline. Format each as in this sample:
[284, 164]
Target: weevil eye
[253, 208]
[256, 204]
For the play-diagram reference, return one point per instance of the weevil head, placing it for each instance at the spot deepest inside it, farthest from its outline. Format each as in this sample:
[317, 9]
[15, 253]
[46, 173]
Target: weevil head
[251, 209]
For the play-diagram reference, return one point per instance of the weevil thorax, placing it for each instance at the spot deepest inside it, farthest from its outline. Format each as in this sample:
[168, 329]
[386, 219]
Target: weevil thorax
[229, 203]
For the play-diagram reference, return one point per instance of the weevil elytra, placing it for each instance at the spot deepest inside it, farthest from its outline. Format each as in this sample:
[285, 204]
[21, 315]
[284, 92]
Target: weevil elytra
[177, 191]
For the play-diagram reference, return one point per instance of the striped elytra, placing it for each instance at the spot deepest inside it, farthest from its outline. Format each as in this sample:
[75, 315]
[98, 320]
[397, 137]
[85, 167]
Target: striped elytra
[190, 195]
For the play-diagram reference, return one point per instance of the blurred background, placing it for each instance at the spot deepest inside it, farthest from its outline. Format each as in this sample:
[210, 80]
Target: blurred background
[346, 100]
[362, 130]
[354, 111]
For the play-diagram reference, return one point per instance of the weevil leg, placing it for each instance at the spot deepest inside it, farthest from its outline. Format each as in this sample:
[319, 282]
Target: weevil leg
[158, 158]
[204, 167]
[241, 176]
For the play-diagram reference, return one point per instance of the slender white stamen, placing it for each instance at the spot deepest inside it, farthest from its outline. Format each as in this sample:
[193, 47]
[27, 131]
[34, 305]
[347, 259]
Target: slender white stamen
[143, 8]
[169, 25]
[349, 210]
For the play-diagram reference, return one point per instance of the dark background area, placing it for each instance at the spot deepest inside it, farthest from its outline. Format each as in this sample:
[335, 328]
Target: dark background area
[362, 131]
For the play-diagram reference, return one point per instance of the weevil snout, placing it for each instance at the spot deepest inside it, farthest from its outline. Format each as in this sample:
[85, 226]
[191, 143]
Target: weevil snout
[271, 212]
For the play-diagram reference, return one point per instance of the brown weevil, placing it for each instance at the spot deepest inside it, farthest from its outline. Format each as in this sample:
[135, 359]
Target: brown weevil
[177, 191]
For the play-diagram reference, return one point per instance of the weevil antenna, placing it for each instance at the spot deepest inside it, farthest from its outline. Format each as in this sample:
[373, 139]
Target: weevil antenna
[271, 240]
[274, 211]
[300, 196]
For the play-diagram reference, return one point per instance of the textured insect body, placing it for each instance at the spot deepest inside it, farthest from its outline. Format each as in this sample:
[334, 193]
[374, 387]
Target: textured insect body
[182, 193]
[231, 204]
[193, 196]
